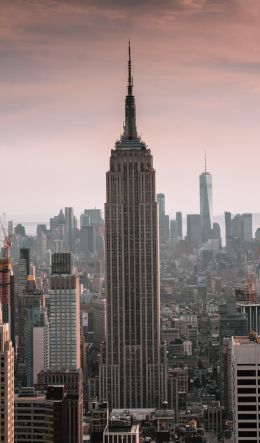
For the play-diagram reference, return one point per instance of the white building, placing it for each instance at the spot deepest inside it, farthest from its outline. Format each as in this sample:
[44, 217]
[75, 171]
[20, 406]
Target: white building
[245, 386]
[64, 319]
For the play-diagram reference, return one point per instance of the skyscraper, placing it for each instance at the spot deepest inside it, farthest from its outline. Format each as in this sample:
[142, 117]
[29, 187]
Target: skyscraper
[245, 361]
[205, 203]
[133, 362]
[179, 224]
[6, 384]
[64, 314]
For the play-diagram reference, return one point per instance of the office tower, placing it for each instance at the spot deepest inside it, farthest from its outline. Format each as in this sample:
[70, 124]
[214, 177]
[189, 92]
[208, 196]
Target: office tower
[41, 416]
[179, 224]
[57, 220]
[133, 361]
[69, 229]
[33, 334]
[93, 314]
[245, 362]
[61, 263]
[91, 217]
[252, 313]
[57, 232]
[64, 314]
[161, 204]
[205, 203]
[6, 384]
[228, 226]
[231, 323]
[247, 227]
[88, 239]
[72, 380]
[173, 231]
[202, 293]
[194, 229]
[237, 226]
[41, 244]
[5, 286]
[10, 228]
[23, 269]
[163, 220]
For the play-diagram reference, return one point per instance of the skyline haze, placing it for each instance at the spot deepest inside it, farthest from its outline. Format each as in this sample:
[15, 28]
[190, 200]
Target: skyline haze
[196, 79]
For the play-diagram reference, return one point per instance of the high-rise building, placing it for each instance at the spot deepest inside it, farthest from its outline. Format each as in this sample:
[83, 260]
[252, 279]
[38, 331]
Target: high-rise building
[72, 380]
[5, 287]
[133, 361]
[23, 269]
[179, 224]
[33, 334]
[245, 363]
[164, 228]
[41, 417]
[91, 217]
[6, 384]
[64, 315]
[69, 229]
[205, 204]
[194, 229]
[247, 227]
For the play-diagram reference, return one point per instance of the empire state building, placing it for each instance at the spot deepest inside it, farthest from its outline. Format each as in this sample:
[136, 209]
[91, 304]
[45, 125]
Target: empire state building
[133, 361]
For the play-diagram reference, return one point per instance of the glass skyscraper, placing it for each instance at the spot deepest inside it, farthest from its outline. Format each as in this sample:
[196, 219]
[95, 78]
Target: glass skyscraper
[205, 204]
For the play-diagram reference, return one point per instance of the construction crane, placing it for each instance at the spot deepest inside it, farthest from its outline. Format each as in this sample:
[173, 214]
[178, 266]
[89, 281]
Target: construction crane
[7, 242]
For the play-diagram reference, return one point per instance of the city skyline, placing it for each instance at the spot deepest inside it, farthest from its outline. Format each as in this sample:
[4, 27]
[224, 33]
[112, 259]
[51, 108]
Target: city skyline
[197, 91]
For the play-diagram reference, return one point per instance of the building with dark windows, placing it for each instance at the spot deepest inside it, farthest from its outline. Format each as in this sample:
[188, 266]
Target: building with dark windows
[245, 363]
[133, 361]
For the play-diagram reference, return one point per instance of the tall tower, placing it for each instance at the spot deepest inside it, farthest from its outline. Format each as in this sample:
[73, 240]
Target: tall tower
[6, 384]
[133, 361]
[205, 203]
[64, 314]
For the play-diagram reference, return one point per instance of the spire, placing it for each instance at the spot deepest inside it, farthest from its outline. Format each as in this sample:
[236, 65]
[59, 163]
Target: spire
[130, 78]
[130, 131]
[205, 162]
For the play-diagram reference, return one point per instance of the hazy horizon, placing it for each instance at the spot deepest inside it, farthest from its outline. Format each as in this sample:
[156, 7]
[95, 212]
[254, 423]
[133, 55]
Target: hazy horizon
[196, 66]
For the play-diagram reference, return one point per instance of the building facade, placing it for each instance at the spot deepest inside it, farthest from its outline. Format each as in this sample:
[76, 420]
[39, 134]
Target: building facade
[205, 204]
[64, 316]
[133, 361]
[6, 385]
[245, 370]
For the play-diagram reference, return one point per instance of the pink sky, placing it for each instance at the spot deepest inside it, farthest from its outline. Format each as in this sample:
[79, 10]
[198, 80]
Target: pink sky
[63, 78]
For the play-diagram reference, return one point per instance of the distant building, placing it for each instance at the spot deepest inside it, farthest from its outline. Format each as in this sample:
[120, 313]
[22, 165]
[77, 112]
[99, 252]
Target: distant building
[179, 224]
[163, 220]
[247, 227]
[205, 204]
[23, 269]
[69, 229]
[194, 229]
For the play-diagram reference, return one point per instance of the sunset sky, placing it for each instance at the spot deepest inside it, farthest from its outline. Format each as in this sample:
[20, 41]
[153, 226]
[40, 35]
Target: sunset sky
[63, 73]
